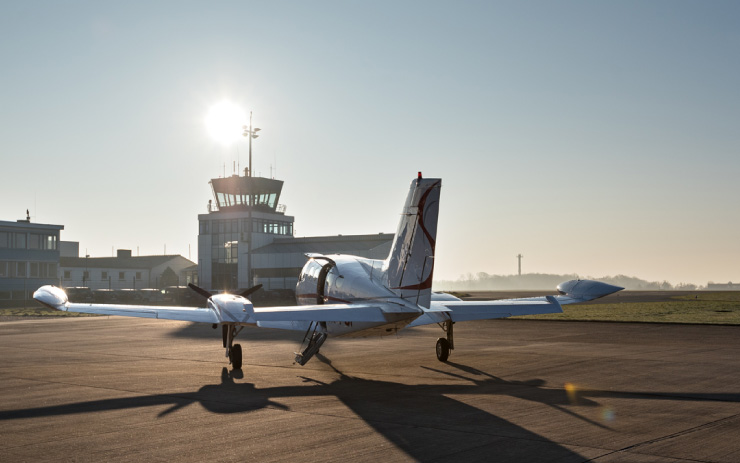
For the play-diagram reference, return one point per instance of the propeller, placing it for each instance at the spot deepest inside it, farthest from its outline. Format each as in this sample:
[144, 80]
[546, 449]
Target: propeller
[200, 290]
[249, 291]
[207, 294]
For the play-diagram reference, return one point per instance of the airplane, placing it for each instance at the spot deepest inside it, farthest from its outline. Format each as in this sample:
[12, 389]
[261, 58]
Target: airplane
[349, 296]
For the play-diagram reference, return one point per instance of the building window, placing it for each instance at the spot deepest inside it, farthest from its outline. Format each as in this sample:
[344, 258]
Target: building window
[104, 275]
[45, 242]
[121, 275]
[50, 243]
[3, 269]
[34, 266]
[67, 275]
[3, 239]
[19, 241]
[138, 275]
[21, 270]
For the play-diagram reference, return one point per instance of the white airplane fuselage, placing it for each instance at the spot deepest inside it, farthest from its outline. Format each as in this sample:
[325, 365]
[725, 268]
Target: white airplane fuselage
[346, 279]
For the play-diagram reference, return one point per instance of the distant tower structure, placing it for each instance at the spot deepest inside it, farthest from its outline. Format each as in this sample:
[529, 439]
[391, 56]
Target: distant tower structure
[519, 257]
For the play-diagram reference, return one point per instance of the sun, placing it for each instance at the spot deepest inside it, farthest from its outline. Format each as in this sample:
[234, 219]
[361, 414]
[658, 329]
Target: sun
[224, 122]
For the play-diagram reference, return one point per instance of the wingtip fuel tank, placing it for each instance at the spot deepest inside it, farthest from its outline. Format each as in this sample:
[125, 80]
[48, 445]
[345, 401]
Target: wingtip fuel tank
[587, 290]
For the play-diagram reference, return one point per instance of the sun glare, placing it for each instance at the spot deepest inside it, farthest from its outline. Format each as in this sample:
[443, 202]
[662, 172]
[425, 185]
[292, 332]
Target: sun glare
[224, 122]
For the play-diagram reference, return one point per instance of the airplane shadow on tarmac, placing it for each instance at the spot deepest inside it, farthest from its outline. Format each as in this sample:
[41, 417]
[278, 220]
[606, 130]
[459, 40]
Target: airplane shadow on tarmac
[421, 420]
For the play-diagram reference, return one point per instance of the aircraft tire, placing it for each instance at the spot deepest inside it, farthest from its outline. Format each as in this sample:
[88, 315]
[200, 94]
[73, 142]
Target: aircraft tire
[443, 349]
[236, 356]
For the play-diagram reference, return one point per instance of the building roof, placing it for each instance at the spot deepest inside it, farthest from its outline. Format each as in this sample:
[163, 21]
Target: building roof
[326, 244]
[139, 262]
[31, 225]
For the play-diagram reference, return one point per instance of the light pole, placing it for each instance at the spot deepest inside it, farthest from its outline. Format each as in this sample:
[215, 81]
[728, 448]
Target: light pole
[251, 133]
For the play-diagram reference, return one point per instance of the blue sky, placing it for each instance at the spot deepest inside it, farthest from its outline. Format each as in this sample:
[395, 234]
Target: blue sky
[592, 137]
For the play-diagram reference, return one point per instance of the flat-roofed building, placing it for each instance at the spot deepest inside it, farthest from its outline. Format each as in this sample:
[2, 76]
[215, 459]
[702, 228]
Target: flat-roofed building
[278, 264]
[125, 271]
[29, 258]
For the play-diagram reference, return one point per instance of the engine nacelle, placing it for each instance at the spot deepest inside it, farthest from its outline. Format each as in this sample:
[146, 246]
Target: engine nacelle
[232, 308]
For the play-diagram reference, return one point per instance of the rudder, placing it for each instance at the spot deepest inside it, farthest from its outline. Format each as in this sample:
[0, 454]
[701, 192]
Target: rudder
[410, 265]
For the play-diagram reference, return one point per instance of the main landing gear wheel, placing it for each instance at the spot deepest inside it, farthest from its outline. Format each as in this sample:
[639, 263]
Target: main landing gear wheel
[443, 349]
[235, 356]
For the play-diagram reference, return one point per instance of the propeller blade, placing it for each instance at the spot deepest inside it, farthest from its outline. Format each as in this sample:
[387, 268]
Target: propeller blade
[249, 291]
[200, 291]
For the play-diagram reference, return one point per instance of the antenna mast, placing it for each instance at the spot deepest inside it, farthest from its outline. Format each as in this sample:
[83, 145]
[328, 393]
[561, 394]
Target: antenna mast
[519, 257]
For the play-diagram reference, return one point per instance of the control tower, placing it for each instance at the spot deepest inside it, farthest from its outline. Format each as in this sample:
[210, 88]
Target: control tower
[244, 215]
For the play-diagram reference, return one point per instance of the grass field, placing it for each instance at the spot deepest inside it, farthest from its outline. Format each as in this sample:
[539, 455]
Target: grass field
[700, 307]
[722, 307]
[10, 313]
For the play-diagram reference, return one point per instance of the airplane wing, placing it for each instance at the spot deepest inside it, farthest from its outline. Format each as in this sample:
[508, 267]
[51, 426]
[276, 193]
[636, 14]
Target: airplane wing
[56, 298]
[571, 292]
[321, 313]
[225, 308]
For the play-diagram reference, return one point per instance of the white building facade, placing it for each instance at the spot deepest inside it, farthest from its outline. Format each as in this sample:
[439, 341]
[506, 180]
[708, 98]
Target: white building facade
[125, 271]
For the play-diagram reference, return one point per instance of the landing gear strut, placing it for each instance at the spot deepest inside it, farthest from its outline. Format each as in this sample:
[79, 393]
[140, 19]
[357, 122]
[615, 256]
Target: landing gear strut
[444, 346]
[233, 351]
[313, 339]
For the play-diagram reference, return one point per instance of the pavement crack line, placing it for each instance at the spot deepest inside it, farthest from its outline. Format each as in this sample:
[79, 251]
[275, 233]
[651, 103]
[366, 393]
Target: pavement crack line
[674, 435]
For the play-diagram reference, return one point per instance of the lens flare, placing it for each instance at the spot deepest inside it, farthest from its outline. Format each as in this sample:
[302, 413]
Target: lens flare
[608, 415]
[572, 392]
[225, 122]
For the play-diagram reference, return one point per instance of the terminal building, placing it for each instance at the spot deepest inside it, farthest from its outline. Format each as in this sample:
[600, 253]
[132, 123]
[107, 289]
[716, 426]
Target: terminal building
[246, 238]
[29, 258]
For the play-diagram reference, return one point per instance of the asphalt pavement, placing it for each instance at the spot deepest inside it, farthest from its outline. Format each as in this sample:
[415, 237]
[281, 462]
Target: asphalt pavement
[110, 388]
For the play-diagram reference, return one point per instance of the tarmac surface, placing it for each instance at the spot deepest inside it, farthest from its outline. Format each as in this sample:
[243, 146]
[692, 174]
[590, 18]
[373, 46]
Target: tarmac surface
[109, 388]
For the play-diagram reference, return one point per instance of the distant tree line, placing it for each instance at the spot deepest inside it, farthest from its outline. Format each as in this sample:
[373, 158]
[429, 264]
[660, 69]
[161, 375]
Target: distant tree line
[546, 281]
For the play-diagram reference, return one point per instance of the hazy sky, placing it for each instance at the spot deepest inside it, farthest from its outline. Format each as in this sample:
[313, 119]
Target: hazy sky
[595, 138]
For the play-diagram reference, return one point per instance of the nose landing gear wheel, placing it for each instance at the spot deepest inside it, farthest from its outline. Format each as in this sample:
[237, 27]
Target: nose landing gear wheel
[235, 356]
[443, 349]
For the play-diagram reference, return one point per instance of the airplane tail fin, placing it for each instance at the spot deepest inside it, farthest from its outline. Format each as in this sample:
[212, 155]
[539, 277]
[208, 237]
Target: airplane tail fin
[411, 261]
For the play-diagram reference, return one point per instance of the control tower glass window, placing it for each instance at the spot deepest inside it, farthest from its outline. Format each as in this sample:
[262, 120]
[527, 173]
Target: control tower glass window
[245, 193]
